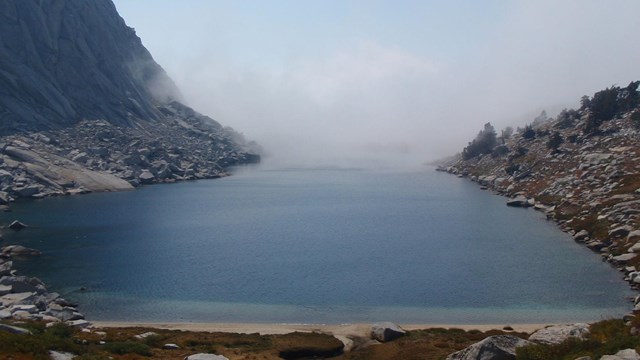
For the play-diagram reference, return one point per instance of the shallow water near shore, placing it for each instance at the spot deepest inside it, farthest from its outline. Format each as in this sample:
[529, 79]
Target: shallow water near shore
[314, 246]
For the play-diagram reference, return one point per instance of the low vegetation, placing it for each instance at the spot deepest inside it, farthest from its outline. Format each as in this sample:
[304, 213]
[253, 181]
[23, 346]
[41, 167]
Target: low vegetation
[607, 337]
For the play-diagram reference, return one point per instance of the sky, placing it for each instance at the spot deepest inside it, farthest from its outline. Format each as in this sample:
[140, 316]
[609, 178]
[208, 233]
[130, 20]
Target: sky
[384, 83]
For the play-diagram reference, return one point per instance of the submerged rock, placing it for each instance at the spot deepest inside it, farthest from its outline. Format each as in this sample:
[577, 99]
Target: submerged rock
[19, 250]
[17, 225]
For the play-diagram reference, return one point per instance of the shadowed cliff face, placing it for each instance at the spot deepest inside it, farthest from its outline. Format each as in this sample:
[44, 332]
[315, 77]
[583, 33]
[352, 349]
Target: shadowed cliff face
[84, 107]
[62, 61]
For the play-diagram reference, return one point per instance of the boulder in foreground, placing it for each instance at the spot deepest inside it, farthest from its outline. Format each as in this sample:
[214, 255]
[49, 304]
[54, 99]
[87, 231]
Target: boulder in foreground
[386, 331]
[559, 333]
[498, 347]
[205, 357]
[627, 354]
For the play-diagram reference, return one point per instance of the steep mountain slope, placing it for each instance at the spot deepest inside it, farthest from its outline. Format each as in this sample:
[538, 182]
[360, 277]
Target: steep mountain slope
[66, 60]
[581, 168]
[84, 107]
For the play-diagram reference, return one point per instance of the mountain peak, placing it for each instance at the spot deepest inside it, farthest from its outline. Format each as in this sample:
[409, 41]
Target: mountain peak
[64, 61]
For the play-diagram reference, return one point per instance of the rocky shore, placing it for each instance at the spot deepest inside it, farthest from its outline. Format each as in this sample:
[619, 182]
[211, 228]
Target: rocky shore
[587, 181]
[99, 156]
[25, 298]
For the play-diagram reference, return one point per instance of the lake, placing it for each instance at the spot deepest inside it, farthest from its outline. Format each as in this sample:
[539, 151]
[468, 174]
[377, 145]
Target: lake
[314, 246]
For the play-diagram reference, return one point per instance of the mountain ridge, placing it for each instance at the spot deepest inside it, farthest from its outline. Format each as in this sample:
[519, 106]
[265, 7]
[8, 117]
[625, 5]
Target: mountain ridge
[81, 94]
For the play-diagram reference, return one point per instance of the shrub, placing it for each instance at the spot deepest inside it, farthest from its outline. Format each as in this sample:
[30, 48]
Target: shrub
[128, 347]
[501, 150]
[58, 337]
[555, 141]
[154, 340]
[60, 330]
[567, 118]
[635, 118]
[512, 168]
[521, 151]
[528, 132]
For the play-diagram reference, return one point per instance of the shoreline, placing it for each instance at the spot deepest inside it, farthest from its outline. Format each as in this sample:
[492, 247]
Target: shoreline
[355, 329]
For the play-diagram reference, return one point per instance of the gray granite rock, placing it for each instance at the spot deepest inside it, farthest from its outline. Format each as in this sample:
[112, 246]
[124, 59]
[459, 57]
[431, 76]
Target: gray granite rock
[581, 235]
[19, 250]
[59, 355]
[559, 333]
[520, 202]
[499, 347]
[386, 331]
[16, 225]
[202, 356]
[14, 329]
[627, 354]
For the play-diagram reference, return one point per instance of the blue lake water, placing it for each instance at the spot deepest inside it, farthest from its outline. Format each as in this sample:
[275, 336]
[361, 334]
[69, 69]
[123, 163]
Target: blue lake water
[314, 246]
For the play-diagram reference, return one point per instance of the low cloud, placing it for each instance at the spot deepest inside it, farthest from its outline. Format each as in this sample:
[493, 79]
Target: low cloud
[357, 105]
[374, 102]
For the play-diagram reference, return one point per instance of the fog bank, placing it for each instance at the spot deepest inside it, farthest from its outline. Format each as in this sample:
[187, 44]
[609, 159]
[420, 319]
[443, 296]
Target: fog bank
[385, 83]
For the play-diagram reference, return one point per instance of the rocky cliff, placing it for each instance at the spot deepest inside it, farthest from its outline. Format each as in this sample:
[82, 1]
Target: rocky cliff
[581, 168]
[84, 107]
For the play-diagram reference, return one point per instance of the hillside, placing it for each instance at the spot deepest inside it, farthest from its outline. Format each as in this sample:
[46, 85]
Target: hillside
[582, 169]
[84, 107]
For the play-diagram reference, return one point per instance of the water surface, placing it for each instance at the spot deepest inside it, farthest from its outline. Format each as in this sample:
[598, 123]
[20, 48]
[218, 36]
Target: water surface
[314, 246]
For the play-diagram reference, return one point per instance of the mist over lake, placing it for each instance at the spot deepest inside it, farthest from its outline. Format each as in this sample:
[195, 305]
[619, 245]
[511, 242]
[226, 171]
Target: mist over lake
[314, 246]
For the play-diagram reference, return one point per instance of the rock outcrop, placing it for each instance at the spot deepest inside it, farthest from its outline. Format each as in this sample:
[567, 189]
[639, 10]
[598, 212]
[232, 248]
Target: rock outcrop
[27, 298]
[84, 107]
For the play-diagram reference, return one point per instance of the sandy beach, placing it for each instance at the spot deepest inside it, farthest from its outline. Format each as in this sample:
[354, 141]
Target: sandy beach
[360, 329]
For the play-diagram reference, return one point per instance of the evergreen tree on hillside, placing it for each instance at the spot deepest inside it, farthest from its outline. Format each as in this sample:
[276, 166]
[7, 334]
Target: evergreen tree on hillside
[608, 103]
[555, 141]
[567, 118]
[540, 119]
[482, 144]
[506, 134]
[528, 132]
